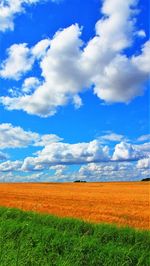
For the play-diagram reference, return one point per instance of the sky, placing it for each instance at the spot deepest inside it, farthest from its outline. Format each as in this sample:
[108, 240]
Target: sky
[74, 100]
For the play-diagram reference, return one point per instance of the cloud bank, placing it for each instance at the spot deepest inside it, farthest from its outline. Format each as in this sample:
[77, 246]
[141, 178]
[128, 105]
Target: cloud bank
[54, 158]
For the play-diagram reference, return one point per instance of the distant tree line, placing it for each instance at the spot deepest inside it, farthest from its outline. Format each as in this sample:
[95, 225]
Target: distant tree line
[79, 181]
[146, 179]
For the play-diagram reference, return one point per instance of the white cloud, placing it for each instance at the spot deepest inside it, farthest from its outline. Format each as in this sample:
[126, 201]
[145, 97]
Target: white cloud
[116, 171]
[19, 61]
[120, 81]
[46, 139]
[126, 151]
[110, 136]
[10, 8]
[115, 76]
[144, 148]
[16, 137]
[98, 169]
[7, 11]
[10, 166]
[13, 137]
[64, 153]
[75, 153]
[63, 75]
[141, 33]
[144, 163]
[113, 34]
[68, 67]
[28, 87]
[59, 169]
[11, 177]
[77, 101]
[144, 138]
[40, 49]
[30, 84]
[142, 61]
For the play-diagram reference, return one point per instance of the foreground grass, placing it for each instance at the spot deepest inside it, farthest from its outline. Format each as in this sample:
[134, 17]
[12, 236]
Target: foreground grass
[28, 238]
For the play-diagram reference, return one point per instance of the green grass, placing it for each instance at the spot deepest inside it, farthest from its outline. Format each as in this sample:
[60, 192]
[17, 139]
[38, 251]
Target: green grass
[28, 238]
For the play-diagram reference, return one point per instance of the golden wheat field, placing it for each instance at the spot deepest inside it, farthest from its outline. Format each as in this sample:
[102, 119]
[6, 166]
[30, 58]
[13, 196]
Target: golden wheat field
[123, 203]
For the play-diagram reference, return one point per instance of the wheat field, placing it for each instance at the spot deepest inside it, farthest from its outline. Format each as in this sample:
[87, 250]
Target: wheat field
[122, 203]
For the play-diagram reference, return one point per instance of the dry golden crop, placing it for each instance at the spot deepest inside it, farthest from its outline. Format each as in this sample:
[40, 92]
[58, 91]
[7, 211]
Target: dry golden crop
[123, 203]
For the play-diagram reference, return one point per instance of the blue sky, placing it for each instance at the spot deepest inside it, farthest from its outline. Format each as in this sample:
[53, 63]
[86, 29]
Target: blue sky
[74, 90]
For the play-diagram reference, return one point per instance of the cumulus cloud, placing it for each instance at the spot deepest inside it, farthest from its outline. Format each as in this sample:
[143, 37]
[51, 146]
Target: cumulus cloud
[30, 84]
[126, 151]
[116, 77]
[62, 73]
[10, 166]
[46, 139]
[10, 8]
[16, 137]
[142, 61]
[144, 163]
[116, 171]
[110, 136]
[12, 137]
[19, 61]
[143, 148]
[65, 153]
[68, 67]
[59, 169]
[40, 49]
[98, 169]
[121, 81]
[28, 87]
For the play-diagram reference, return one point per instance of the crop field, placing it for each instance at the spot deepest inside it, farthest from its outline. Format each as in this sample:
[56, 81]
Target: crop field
[121, 203]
